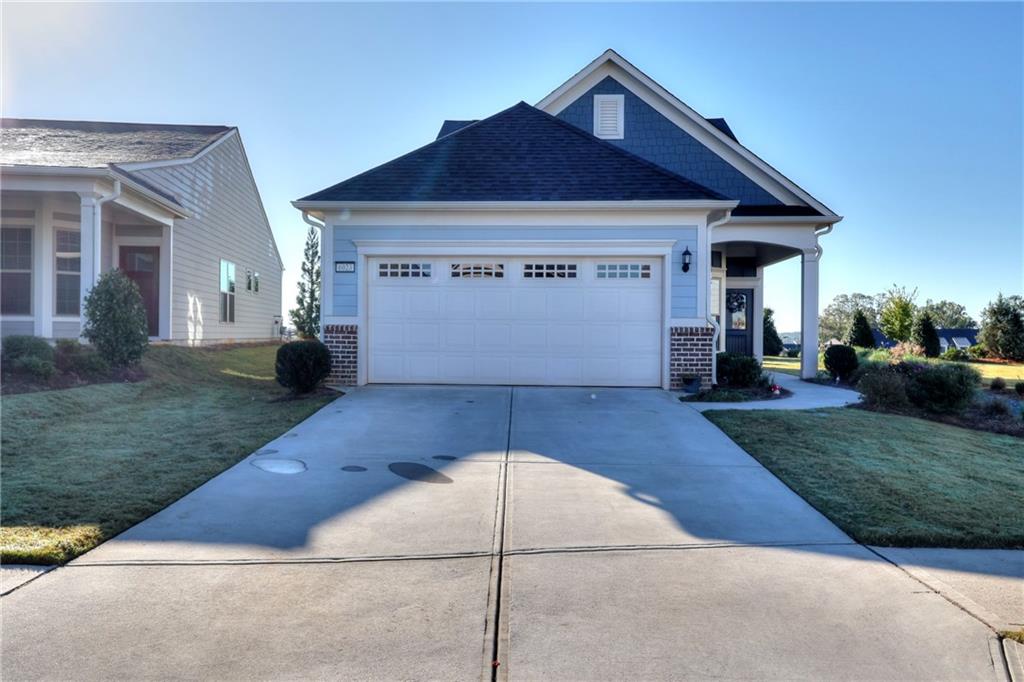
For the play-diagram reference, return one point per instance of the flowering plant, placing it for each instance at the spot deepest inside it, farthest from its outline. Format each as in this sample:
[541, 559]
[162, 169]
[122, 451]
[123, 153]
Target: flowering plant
[775, 389]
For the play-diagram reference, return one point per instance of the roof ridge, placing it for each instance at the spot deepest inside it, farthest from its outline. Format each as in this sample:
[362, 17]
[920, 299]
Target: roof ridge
[7, 121]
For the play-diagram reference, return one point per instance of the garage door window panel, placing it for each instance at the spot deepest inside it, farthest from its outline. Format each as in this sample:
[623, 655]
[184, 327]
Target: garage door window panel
[404, 270]
[549, 271]
[478, 270]
[623, 271]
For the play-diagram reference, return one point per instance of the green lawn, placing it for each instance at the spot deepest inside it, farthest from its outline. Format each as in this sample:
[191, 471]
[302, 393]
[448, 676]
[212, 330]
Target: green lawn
[989, 370]
[82, 464]
[892, 480]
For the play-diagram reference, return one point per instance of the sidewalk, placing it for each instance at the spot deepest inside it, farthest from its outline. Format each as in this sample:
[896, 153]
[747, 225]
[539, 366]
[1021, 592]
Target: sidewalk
[806, 396]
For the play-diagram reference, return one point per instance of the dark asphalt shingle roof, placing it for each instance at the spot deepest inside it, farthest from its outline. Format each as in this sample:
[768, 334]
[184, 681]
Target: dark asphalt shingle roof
[95, 144]
[723, 127]
[451, 126]
[520, 154]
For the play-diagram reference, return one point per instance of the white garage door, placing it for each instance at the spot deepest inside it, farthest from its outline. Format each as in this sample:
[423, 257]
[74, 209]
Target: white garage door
[539, 321]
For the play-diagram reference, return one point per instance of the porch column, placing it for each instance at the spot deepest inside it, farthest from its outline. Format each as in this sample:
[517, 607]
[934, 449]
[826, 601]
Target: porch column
[809, 314]
[91, 238]
[43, 269]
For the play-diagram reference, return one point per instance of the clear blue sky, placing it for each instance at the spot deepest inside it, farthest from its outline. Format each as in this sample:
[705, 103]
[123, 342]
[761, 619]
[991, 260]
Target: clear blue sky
[906, 119]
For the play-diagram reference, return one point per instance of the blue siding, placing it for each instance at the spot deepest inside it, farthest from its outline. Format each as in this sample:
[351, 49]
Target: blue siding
[346, 285]
[650, 135]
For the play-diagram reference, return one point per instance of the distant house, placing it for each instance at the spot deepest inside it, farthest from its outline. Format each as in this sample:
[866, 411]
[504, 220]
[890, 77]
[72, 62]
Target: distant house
[961, 338]
[173, 206]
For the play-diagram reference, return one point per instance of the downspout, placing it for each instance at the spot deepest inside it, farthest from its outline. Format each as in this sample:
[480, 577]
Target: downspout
[817, 247]
[717, 329]
[97, 227]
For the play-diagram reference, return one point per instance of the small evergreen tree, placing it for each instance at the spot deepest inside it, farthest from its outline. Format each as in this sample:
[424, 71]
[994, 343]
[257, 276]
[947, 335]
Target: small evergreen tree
[860, 331]
[772, 341]
[115, 319]
[925, 335]
[306, 316]
[1002, 329]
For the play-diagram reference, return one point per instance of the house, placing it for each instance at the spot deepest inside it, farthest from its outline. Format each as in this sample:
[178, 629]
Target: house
[608, 235]
[173, 206]
[960, 338]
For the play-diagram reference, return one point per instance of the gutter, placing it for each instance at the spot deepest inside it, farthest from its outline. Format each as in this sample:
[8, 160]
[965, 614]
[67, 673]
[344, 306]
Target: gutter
[709, 316]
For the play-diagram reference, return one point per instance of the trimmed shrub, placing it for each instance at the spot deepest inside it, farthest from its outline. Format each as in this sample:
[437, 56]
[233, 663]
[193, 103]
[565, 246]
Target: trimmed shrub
[995, 408]
[302, 365]
[738, 371]
[940, 388]
[924, 335]
[772, 343]
[793, 353]
[115, 319]
[977, 352]
[885, 389]
[840, 361]
[74, 358]
[33, 366]
[17, 347]
[906, 349]
[998, 384]
[955, 355]
[1019, 388]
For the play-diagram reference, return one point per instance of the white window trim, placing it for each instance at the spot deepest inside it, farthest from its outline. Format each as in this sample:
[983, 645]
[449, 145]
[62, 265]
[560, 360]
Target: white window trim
[620, 114]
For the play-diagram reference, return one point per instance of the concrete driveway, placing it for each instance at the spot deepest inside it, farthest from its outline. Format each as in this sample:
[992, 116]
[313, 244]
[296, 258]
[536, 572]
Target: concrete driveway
[586, 534]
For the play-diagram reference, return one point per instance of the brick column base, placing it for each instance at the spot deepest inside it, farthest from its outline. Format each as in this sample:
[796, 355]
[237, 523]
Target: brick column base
[343, 342]
[690, 356]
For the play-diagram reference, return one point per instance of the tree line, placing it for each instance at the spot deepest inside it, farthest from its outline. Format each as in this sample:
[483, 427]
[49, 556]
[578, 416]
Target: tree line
[850, 318]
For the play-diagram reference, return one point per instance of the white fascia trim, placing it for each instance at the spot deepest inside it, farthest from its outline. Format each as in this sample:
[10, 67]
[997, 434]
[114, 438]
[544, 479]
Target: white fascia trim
[420, 206]
[341, 319]
[9, 170]
[141, 165]
[610, 247]
[698, 322]
[557, 100]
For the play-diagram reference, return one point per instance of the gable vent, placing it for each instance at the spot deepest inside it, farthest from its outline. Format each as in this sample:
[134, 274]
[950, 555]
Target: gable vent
[608, 116]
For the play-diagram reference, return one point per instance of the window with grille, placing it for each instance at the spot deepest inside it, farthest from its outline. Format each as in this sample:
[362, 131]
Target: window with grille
[403, 270]
[478, 270]
[623, 271]
[16, 271]
[549, 271]
[69, 271]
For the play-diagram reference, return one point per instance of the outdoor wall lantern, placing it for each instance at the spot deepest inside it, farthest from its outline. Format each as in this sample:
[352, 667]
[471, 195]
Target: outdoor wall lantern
[687, 259]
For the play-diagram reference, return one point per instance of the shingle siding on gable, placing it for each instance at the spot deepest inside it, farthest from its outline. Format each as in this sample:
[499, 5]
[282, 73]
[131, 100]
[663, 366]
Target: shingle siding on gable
[655, 138]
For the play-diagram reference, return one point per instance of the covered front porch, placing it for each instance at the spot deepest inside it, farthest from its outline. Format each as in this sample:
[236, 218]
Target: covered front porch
[740, 251]
[60, 232]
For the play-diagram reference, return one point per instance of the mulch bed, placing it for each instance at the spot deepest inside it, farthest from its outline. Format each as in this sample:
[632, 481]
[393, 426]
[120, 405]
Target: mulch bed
[974, 417]
[734, 395]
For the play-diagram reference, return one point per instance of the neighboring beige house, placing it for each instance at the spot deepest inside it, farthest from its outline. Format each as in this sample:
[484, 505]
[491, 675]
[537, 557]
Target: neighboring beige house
[174, 206]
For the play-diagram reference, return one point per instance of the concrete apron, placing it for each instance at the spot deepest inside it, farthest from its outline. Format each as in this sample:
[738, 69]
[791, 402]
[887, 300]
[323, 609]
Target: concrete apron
[630, 536]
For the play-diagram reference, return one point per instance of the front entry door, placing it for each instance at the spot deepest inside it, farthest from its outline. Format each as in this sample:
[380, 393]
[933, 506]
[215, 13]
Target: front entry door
[142, 264]
[739, 321]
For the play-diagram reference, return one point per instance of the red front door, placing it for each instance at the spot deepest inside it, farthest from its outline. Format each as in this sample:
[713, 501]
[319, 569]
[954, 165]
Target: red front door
[142, 264]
